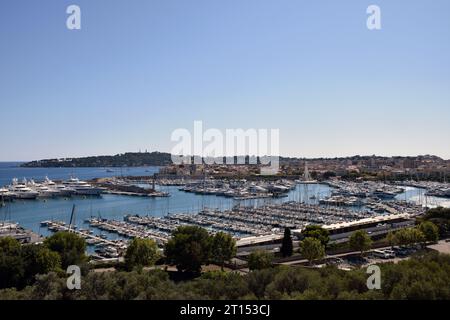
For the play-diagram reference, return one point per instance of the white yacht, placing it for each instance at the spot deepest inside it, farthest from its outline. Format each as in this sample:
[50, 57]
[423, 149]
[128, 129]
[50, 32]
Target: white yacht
[5, 194]
[22, 191]
[82, 187]
[62, 189]
[43, 190]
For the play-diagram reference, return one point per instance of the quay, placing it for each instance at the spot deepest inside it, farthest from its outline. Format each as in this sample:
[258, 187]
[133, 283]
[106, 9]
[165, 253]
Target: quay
[122, 187]
[14, 230]
[136, 194]
[128, 230]
[106, 249]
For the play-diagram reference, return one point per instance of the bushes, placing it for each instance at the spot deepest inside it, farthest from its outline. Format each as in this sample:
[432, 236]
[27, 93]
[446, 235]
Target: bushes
[69, 246]
[190, 247]
[260, 259]
[141, 253]
[20, 264]
[421, 277]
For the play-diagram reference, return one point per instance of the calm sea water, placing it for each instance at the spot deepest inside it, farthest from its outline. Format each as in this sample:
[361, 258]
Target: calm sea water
[10, 170]
[30, 213]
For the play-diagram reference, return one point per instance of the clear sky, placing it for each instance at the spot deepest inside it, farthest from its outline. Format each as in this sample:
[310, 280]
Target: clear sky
[138, 69]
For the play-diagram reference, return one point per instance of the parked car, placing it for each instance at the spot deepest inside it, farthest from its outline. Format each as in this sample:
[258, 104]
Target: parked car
[357, 260]
[334, 261]
[381, 254]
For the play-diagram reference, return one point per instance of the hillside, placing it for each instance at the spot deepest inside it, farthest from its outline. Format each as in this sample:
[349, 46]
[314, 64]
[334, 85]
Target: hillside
[126, 159]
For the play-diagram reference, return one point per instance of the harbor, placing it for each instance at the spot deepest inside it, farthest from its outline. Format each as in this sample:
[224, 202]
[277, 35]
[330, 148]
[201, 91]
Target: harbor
[113, 210]
[241, 222]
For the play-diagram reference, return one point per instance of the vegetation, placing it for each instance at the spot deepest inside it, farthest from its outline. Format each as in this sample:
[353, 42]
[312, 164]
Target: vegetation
[312, 249]
[260, 259]
[424, 276]
[391, 239]
[408, 237]
[141, 253]
[286, 245]
[441, 218]
[317, 232]
[360, 241]
[136, 159]
[188, 249]
[20, 264]
[223, 248]
[430, 231]
[70, 247]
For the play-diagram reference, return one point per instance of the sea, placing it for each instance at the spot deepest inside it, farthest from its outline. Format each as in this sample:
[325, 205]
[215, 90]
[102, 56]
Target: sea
[30, 213]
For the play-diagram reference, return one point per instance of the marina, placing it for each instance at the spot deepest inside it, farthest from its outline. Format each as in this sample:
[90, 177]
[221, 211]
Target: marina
[31, 190]
[245, 209]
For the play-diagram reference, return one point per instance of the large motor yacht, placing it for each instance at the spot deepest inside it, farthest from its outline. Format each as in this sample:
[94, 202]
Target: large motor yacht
[43, 190]
[22, 191]
[5, 194]
[63, 190]
[82, 187]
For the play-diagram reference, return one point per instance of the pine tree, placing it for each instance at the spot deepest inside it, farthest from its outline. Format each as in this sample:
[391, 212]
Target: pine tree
[287, 246]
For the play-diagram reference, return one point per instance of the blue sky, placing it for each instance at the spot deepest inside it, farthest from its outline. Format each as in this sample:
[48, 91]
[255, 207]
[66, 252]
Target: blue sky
[137, 70]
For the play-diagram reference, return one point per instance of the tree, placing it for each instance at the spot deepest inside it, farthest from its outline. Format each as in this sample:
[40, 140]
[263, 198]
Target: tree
[223, 248]
[312, 249]
[391, 239]
[141, 253]
[188, 249]
[12, 268]
[409, 236]
[38, 259]
[70, 247]
[402, 237]
[416, 236]
[260, 259]
[360, 241]
[430, 231]
[441, 218]
[286, 245]
[9, 245]
[317, 232]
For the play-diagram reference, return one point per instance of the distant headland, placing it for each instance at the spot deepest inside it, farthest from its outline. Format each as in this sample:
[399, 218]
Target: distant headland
[129, 159]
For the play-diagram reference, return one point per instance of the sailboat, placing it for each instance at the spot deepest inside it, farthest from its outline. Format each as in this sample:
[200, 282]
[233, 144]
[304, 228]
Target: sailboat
[307, 177]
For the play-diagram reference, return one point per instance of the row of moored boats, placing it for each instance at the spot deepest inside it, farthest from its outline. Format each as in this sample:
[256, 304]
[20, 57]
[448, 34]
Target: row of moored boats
[29, 189]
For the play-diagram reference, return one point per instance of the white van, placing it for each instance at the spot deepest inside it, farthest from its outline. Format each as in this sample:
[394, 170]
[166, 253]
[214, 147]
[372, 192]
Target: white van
[381, 254]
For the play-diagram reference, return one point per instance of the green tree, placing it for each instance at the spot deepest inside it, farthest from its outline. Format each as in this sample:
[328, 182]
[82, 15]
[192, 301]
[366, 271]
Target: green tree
[441, 218]
[287, 246]
[312, 249]
[416, 236]
[402, 237]
[12, 266]
[223, 248]
[188, 248]
[391, 239]
[317, 232]
[260, 259]
[409, 236]
[360, 241]
[430, 231]
[9, 245]
[141, 253]
[70, 247]
[38, 259]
